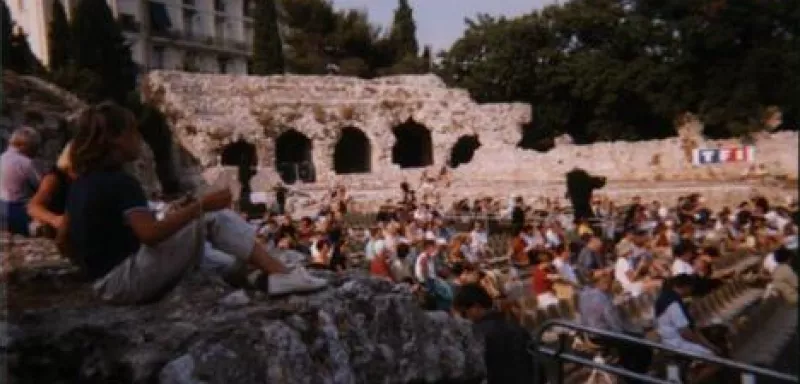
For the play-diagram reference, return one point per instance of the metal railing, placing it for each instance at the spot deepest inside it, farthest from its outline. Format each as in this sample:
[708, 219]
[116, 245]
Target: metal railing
[559, 354]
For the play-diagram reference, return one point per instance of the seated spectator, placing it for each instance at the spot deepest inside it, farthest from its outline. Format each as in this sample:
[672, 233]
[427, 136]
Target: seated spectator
[597, 310]
[520, 248]
[50, 201]
[633, 280]
[676, 327]
[379, 266]
[544, 275]
[684, 254]
[705, 282]
[132, 257]
[591, 261]
[506, 343]
[563, 265]
[784, 279]
[19, 180]
[321, 257]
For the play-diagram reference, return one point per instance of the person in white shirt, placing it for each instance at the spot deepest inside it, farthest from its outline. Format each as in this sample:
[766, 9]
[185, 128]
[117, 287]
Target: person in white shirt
[684, 254]
[563, 266]
[624, 272]
[676, 327]
[479, 239]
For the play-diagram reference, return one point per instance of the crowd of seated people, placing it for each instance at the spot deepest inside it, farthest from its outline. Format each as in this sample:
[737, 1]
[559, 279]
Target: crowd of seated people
[542, 254]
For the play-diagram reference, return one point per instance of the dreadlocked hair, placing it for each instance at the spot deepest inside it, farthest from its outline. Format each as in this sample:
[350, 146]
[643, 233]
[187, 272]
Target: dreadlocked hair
[96, 127]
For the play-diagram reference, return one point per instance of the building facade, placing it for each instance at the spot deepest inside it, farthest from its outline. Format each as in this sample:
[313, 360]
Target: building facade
[209, 36]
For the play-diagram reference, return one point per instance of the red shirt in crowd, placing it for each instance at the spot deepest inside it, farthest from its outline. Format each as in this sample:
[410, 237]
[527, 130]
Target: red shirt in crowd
[379, 267]
[541, 284]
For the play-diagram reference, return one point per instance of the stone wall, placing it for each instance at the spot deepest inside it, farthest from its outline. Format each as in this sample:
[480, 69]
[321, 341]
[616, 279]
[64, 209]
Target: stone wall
[210, 112]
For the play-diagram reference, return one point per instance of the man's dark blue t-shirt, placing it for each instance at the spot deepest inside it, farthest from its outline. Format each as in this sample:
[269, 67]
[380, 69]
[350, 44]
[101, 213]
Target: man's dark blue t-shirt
[98, 228]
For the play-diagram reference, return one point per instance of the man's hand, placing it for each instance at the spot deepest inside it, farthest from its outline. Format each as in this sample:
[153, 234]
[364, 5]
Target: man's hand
[216, 201]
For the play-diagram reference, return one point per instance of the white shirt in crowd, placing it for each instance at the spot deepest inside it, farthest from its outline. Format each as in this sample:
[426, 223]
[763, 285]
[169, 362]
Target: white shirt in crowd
[668, 326]
[422, 215]
[552, 238]
[621, 267]
[680, 267]
[424, 261]
[769, 263]
[565, 270]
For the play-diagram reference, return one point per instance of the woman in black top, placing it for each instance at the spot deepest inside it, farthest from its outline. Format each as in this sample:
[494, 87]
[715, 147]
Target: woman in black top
[49, 203]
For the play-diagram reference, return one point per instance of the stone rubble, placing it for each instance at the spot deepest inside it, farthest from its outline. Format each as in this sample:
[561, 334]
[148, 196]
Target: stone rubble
[361, 330]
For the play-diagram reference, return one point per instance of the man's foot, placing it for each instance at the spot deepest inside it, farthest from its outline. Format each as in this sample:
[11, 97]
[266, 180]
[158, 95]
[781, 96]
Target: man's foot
[297, 280]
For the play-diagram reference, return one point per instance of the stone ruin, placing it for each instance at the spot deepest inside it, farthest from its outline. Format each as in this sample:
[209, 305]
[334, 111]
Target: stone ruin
[315, 131]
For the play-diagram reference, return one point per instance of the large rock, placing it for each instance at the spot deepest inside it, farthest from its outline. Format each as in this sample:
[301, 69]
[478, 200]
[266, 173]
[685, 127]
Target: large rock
[28, 100]
[361, 330]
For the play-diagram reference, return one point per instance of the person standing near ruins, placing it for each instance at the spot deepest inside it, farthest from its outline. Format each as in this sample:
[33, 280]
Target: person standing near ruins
[580, 185]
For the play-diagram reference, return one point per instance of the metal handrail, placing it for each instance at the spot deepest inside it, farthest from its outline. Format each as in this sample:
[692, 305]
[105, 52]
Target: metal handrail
[558, 353]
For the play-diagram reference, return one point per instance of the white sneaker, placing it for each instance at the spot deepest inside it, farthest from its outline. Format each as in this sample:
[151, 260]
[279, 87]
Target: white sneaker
[296, 281]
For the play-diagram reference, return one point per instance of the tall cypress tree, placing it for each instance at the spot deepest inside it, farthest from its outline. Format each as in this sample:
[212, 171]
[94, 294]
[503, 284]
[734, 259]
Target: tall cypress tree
[6, 29]
[267, 43]
[58, 37]
[403, 36]
[99, 48]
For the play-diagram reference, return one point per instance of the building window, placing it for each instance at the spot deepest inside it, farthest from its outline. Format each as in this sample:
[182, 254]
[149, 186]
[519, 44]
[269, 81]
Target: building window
[219, 5]
[188, 3]
[189, 27]
[219, 28]
[248, 8]
[157, 57]
[190, 62]
[160, 22]
[128, 23]
[222, 63]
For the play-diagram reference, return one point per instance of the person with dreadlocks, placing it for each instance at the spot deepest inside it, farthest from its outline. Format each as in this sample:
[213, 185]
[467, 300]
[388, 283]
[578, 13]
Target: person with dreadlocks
[131, 256]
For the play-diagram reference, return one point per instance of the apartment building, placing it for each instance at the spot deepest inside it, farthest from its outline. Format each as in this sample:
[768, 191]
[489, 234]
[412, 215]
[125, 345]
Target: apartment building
[212, 36]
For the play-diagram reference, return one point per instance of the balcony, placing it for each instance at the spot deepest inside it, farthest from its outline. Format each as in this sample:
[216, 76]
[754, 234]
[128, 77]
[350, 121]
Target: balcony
[200, 41]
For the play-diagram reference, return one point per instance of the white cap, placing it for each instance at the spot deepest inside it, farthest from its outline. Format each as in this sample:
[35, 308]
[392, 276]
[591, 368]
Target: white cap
[441, 241]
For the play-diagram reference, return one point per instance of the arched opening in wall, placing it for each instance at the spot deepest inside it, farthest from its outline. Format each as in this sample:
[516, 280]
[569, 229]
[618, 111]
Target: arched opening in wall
[536, 139]
[463, 150]
[413, 147]
[242, 155]
[293, 159]
[353, 152]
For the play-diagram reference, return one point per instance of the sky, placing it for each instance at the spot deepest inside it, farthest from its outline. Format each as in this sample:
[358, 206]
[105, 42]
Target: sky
[441, 22]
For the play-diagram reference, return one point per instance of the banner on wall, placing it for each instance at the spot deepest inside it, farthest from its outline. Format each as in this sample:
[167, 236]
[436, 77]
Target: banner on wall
[745, 154]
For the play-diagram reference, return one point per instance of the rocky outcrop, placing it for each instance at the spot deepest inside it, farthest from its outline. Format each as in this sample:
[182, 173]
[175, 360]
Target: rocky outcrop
[31, 101]
[360, 330]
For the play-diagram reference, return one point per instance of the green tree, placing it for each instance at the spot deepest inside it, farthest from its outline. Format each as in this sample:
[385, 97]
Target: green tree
[103, 67]
[6, 29]
[267, 43]
[58, 38]
[403, 35]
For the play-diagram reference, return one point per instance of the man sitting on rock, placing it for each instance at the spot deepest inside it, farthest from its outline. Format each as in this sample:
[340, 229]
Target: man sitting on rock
[131, 256]
[19, 180]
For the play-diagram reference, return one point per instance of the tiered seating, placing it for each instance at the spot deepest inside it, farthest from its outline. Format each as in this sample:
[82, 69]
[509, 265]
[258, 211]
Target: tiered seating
[760, 338]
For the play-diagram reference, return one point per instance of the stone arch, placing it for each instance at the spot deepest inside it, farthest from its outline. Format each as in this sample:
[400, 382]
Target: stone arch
[353, 152]
[293, 157]
[463, 150]
[413, 147]
[242, 155]
[239, 153]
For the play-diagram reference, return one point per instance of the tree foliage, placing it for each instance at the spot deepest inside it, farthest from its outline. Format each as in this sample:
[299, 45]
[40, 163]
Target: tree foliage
[403, 35]
[623, 69]
[319, 39]
[102, 67]
[267, 44]
[58, 38]
[16, 52]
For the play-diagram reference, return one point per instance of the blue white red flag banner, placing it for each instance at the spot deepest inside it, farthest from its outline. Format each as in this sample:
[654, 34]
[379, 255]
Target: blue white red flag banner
[745, 154]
